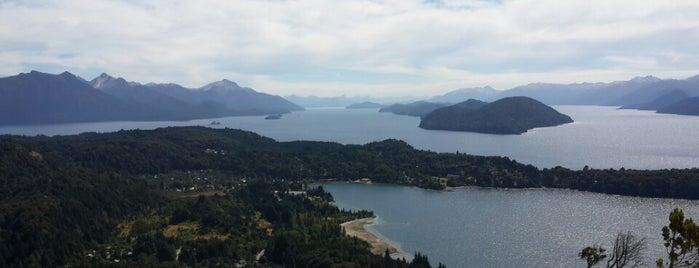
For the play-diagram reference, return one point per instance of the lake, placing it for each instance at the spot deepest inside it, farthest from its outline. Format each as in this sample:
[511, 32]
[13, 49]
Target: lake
[600, 137]
[482, 227]
[475, 227]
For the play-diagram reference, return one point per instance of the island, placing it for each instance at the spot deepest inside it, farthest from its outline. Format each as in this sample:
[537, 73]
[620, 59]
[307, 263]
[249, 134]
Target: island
[273, 117]
[151, 198]
[365, 105]
[511, 115]
[418, 108]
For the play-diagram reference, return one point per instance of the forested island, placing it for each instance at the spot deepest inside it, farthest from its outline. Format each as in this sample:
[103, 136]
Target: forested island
[418, 108]
[511, 115]
[199, 196]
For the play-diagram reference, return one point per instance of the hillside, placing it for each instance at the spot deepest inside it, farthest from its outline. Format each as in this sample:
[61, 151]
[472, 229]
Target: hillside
[195, 196]
[418, 108]
[459, 95]
[176, 109]
[58, 210]
[365, 105]
[661, 102]
[40, 98]
[618, 93]
[472, 104]
[512, 115]
[689, 106]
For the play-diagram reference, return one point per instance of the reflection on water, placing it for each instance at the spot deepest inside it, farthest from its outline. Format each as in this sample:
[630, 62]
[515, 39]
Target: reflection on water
[601, 137]
[483, 227]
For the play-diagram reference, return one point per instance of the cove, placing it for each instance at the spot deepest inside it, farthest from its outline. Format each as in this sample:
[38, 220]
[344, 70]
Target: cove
[485, 227]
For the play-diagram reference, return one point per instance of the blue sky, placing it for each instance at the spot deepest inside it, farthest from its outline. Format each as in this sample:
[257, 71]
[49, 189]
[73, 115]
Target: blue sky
[359, 47]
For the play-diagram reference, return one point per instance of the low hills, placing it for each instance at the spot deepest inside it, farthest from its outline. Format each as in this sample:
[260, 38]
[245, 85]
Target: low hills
[418, 108]
[688, 106]
[661, 102]
[365, 105]
[511, 115]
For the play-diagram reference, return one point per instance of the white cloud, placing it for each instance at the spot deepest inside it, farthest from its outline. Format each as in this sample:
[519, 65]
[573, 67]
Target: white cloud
[446, 44]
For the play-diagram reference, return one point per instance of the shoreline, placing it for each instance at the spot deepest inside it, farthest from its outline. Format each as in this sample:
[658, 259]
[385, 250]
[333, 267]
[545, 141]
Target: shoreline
[357, 228]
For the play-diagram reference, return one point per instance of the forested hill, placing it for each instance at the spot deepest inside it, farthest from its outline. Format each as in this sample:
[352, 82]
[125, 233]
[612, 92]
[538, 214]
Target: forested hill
[60, 211]
[247, 154]
[511, 115]
[195, 196]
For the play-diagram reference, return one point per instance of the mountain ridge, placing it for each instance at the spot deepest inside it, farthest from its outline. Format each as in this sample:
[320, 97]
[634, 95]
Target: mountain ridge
[42, 98]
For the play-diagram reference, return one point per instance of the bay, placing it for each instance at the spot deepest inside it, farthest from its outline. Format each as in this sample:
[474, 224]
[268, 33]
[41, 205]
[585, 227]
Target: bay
[483, 227]
[600, 137]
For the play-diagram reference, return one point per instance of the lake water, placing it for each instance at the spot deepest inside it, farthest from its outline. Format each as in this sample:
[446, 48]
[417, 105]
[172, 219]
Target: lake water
[481, 227]
[474, 227]
[601, 137]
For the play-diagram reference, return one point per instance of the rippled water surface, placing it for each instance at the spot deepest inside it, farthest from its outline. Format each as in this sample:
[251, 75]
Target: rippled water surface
[601, 137]
[480, 227]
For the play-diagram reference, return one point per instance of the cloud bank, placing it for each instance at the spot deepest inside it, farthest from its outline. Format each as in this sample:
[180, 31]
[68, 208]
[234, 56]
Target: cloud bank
[360, 47]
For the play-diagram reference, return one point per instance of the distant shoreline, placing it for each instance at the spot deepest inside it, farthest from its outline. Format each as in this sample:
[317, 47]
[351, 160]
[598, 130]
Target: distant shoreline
[357, 228]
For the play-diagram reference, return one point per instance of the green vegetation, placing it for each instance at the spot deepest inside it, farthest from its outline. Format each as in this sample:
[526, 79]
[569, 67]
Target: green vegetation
[192, 196]
[418, 108]
[203, 152]
[681, 238]
[511, 115]
[57, 211]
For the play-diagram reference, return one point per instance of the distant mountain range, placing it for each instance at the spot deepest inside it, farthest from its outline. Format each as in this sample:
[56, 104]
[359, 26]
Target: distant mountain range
[342, 101]
[478, 93]
[365, 105]
[646, 93]
[510, 115]
[41, 98]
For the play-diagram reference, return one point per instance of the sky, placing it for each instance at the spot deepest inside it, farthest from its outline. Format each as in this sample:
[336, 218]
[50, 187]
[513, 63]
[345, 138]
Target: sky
[353, 47]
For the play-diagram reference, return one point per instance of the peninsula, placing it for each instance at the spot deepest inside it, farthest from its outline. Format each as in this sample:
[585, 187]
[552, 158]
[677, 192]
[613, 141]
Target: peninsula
[357, 228]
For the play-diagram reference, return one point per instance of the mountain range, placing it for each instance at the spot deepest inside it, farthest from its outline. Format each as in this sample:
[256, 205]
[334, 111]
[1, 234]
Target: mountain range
[646, 93]
[41, 98]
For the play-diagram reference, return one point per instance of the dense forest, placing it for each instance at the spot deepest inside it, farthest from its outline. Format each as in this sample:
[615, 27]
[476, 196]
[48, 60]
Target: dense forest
[247, 155]
[510, 115]
[57, 210]
[191, 196]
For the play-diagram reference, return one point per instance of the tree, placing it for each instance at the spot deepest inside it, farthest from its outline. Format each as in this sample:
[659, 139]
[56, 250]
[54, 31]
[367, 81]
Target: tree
[681, 238]
[627, 250]
[592, 255]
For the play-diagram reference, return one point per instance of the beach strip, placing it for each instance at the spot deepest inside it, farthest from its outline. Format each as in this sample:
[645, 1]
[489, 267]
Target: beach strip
[358, 229]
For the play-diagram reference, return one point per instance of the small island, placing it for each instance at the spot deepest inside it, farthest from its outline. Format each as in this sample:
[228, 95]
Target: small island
[273, 117]
[365, 105]
[511, 115]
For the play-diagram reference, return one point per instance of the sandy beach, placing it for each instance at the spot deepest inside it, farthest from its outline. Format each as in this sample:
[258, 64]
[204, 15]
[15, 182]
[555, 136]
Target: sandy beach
[378, 245]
